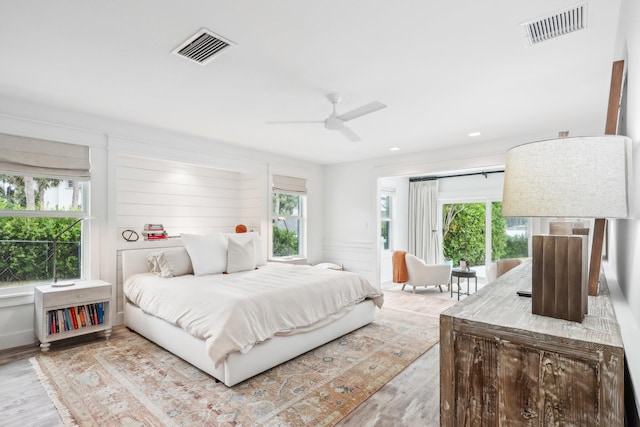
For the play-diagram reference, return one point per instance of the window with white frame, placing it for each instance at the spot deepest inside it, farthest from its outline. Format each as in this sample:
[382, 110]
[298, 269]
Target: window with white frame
[40, 215]
[386, 220]
[288, 216]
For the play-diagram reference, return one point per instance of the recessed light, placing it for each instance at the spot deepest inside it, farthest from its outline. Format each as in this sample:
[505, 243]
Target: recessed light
[394, 149]
[472, 134]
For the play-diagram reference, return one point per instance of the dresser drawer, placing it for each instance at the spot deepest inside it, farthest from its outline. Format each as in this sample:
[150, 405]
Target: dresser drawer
[76, 296]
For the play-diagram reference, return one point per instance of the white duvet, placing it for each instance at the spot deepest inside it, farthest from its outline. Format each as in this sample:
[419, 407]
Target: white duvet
[233, 312]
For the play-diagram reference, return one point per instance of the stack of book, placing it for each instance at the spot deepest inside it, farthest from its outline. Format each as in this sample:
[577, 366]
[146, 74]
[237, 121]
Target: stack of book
[70, 318]
[154, 232]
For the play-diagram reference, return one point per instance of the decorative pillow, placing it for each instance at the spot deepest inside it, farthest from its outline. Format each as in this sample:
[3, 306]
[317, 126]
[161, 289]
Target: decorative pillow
[245, 237]
[170, 262]
[241, 256]
[208, 253]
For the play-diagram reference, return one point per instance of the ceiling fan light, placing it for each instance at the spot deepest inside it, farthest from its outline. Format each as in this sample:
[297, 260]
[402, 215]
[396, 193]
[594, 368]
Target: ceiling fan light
[333, 123]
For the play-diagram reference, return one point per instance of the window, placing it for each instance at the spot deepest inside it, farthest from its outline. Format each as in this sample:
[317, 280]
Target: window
[288, 216]
[38, 212]
[386, 221]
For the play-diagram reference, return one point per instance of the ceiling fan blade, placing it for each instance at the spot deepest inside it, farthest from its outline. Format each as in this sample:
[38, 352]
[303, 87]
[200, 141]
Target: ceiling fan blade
[288, 122]
[349, 134]
[361, 111]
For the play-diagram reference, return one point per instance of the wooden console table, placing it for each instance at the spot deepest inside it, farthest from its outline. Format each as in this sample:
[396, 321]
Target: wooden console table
[502, 365]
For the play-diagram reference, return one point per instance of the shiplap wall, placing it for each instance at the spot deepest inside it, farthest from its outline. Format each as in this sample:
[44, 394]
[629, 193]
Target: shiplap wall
[185, 198]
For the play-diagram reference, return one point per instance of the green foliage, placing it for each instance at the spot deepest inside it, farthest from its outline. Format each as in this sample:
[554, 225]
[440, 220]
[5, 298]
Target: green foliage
[465, 237]
[26, 246]
[517, 247]
[284, 242]
[464, 232]
[498, 232]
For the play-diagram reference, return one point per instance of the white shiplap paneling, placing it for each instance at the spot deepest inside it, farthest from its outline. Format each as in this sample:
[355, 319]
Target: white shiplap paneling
[185, 198]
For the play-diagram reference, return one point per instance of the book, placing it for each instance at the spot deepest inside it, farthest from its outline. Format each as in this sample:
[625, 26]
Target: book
[150, 227]
[100, 310]
[78, 321]
[162, 237]
[72, 315]
[83, 320]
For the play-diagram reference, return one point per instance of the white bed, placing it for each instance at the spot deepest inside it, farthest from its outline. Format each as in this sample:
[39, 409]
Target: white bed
[237, 366]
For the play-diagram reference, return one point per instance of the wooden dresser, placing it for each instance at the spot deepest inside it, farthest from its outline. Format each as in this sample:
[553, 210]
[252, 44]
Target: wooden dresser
[500, 365]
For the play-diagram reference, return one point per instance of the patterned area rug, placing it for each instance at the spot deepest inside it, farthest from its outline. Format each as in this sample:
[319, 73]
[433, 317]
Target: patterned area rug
[131, 381]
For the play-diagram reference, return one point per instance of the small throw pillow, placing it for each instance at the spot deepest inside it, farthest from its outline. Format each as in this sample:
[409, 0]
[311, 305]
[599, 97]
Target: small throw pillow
[257, 242]
[208, 253]
[170, 262]
[241, 256]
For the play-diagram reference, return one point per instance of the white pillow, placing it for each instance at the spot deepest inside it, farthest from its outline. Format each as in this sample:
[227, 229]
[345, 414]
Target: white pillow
[241, 256]
[257, 243]
[208, 253]
[170, 262]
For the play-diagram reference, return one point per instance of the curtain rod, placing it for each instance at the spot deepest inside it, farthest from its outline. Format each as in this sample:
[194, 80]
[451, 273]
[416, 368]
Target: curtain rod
[433, 178]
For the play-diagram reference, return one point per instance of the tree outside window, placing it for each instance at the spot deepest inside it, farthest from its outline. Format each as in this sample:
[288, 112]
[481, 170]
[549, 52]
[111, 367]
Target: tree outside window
[32, 212]
[288, 224]
[464, 233]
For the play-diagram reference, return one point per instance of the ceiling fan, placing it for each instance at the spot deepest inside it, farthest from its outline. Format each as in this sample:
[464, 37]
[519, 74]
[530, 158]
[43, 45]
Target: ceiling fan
[337, 121]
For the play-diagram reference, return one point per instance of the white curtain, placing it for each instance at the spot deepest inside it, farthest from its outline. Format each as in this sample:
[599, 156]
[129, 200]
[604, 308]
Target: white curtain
[424, 241]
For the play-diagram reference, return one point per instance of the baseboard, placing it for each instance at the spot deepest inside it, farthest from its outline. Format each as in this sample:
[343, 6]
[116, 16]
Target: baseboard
[17, 339]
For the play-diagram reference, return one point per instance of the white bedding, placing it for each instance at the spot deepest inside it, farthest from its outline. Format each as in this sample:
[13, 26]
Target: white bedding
[233, 312]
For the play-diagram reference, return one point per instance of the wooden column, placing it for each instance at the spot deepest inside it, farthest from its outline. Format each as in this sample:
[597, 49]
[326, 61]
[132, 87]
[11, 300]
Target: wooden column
[611, 127]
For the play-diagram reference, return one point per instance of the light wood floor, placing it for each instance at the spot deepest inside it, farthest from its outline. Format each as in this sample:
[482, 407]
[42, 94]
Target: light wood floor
[410, 399]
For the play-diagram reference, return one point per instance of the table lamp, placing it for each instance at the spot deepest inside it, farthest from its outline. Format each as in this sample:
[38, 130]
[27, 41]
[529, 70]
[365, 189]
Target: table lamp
[581, 177]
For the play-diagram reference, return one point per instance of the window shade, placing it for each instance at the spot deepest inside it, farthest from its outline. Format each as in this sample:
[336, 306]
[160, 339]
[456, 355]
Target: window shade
[289, 184]
[41, 158]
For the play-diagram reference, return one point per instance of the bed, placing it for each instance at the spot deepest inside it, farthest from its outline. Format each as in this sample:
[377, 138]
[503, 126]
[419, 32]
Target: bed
[245, 361]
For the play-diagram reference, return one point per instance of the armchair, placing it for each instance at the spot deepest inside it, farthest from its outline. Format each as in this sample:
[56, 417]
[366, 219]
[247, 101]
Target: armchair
[421, 274]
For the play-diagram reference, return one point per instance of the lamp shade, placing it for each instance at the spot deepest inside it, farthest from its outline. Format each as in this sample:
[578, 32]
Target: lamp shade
[584, 177]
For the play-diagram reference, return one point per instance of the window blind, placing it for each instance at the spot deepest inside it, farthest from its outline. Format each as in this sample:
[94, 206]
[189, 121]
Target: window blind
[289, 184]
[42, 158]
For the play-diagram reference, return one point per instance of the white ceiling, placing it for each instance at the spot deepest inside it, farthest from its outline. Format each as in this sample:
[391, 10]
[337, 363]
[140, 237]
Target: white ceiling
[443, 68]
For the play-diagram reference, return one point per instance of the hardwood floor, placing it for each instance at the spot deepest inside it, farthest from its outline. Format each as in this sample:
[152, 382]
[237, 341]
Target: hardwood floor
[410, 399]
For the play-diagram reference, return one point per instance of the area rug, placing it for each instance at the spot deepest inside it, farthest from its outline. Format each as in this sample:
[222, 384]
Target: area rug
[131, 381]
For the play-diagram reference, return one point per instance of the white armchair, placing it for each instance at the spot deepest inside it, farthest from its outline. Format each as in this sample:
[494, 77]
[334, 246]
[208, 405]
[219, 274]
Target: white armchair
[421, 274]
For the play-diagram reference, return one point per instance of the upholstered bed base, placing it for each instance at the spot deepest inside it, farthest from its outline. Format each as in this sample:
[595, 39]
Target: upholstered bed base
[237, 367]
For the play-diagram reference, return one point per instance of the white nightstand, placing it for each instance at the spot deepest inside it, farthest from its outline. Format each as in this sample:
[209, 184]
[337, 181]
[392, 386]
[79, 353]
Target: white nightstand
[65, 312]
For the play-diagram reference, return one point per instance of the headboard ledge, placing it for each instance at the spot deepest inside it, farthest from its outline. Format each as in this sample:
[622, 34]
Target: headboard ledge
[134, 261]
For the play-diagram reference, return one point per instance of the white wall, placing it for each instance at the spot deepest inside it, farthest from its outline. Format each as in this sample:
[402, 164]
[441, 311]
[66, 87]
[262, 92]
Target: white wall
[400, 228]
[111, 142]
[622, 271]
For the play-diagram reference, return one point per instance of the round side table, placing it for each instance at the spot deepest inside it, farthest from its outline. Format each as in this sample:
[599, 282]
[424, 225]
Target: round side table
[468, 274]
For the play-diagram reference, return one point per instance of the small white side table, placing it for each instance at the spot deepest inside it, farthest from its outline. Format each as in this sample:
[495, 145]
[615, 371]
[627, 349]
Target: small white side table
[85, 307]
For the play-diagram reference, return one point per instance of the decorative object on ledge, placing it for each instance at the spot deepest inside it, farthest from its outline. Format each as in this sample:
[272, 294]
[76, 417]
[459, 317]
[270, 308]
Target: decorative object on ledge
[241, 228]
[583, 177]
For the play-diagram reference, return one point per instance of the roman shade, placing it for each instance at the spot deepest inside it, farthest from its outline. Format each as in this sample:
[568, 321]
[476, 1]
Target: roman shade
[289, 184]
[42, 158]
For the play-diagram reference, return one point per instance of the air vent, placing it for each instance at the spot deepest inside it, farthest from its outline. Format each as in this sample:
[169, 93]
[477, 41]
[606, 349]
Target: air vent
[203, 47]
[559, 23]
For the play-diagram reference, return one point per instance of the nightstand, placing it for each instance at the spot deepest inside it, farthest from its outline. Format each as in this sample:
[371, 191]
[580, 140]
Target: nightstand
[65, 312]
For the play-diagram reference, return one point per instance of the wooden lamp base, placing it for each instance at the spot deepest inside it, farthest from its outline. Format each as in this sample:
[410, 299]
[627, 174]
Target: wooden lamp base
[559, 277]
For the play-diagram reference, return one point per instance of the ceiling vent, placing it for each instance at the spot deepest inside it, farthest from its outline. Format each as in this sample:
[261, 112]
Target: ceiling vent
[203, 47]
[557, 24]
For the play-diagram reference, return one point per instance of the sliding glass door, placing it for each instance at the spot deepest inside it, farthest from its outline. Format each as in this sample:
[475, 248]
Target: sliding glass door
[470, 230]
